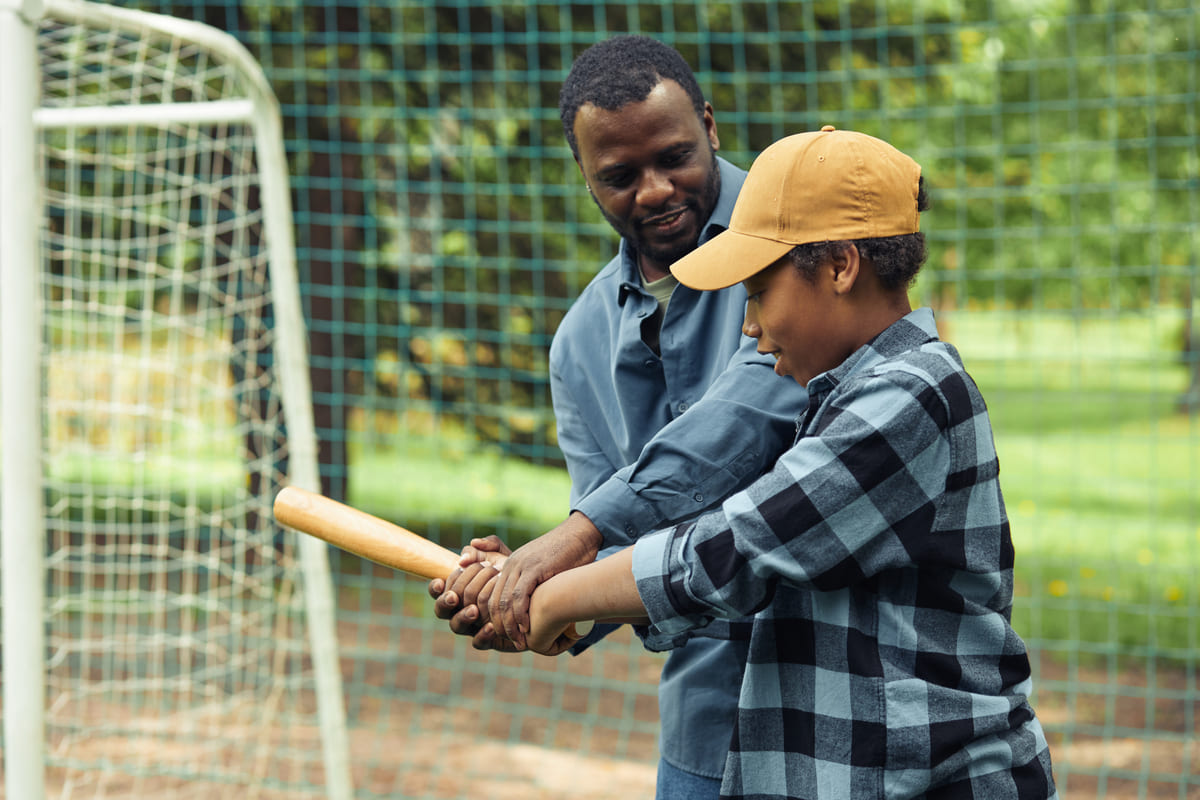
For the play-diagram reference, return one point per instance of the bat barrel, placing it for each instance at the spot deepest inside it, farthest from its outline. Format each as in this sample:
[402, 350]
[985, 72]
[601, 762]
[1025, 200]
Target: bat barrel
[363, 534]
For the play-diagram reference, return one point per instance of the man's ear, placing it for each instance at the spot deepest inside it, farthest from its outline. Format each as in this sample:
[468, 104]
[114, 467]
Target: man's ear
[710, 127]
[846, 263]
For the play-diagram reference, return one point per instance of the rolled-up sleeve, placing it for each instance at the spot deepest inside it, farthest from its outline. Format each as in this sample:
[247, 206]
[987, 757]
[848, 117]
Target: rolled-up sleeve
[650, 560]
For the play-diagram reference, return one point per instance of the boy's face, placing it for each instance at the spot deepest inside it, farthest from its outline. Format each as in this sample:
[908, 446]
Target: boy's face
[652, 170]
[797, 320]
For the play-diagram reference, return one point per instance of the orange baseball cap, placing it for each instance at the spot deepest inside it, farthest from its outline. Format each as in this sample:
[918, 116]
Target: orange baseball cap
[820, 186]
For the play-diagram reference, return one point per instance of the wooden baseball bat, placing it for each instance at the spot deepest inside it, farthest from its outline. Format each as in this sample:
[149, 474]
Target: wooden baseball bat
[363, 534]
[368, 536]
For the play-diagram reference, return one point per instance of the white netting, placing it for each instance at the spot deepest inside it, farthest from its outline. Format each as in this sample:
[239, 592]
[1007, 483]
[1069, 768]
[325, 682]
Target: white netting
[178, 659]
[84, 66]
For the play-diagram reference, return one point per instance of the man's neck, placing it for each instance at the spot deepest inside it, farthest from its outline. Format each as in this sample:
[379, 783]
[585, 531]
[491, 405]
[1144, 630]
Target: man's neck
[652, 270]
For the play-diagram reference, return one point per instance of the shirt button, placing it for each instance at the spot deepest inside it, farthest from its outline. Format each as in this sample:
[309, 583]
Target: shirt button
[683, 407]
[699, 498]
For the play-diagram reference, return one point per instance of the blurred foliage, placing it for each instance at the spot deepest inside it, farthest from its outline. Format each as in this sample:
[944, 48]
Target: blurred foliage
[1059, 140]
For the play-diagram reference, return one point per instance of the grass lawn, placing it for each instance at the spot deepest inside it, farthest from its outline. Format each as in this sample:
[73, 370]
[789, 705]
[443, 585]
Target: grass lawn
[1101, 477]
[1101, 474]
[448, 488]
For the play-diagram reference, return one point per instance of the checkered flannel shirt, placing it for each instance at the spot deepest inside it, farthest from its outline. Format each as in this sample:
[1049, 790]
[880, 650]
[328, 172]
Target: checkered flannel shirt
[877, 560]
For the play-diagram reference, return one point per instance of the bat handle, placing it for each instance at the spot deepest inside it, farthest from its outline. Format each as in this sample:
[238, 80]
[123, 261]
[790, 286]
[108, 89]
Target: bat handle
[369, 537]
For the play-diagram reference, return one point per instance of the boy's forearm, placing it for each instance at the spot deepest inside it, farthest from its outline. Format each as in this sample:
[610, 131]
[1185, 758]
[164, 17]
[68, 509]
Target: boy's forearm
[602, 590]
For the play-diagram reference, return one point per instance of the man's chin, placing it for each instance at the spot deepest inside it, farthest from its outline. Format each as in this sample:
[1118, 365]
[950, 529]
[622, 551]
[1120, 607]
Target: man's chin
[666, 256]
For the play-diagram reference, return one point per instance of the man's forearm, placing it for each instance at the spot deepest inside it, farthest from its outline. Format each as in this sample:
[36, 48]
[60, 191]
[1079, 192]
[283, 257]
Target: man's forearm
[583, 529]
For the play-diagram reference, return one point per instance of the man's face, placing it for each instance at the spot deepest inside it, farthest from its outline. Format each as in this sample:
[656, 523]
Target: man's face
[652, 170]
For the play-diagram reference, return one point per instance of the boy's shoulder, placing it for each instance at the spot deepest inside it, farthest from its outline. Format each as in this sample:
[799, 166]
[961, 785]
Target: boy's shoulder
[937, 365]
[904, 401]
[909, 367]
[933, 361]
[909, 346]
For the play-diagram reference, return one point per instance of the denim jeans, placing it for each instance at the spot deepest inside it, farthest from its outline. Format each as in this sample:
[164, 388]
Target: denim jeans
[675, 784]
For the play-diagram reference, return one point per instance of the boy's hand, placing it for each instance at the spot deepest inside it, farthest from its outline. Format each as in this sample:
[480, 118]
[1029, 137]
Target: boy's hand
[466, 590]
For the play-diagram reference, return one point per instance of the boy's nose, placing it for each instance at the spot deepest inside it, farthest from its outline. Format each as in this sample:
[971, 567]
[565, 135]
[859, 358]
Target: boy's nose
[750, 326]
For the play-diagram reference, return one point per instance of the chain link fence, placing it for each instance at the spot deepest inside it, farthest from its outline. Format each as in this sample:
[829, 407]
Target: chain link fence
[443, 231]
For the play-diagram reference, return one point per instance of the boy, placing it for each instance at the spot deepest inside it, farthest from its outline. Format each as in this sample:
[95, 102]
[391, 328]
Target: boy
[875, 556]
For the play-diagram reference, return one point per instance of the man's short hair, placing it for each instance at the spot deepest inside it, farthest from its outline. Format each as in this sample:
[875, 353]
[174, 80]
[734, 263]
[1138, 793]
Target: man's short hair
[616, 72]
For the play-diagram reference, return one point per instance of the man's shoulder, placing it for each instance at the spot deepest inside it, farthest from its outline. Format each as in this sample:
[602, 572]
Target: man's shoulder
[603, 290]
[598, 300]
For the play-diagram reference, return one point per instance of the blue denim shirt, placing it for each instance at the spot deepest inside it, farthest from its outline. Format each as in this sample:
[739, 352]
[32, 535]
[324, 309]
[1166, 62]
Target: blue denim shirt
[652, 439]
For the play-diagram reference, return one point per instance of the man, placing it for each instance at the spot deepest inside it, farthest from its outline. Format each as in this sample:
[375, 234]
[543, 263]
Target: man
[649, 381]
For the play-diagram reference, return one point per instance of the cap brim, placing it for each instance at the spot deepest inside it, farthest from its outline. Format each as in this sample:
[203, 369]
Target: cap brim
[727, 258]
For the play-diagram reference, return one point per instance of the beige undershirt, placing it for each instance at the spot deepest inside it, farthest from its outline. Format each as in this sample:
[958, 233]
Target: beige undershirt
[661, 291]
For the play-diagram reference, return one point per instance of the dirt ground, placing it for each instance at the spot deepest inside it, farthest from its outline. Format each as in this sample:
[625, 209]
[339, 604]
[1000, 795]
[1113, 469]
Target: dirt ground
[1127, 735]
[431, 718]
[1121, 733]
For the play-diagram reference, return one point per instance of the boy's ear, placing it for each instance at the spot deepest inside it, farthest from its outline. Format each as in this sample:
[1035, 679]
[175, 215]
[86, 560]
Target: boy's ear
[846, 263]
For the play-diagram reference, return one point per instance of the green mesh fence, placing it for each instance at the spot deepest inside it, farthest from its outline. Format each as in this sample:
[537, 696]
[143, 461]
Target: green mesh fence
[444, 230]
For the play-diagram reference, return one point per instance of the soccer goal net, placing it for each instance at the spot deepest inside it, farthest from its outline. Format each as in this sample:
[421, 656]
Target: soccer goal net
[163, 637]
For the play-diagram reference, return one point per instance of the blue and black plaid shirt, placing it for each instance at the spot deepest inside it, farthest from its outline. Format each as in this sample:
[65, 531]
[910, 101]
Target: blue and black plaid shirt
[877, 561]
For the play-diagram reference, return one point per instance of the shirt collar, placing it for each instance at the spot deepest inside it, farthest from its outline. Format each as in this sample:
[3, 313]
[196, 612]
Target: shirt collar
[914, 329]
[732, 179]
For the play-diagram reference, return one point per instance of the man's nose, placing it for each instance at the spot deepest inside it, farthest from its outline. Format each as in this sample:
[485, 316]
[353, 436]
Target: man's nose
[656, 188]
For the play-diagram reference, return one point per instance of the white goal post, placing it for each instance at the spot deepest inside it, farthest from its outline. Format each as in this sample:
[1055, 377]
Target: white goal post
[162, 637]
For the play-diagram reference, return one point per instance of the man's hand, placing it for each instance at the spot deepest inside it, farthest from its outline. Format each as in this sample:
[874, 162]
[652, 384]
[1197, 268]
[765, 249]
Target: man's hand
[490, 550]
[573, 543]
[462, 596]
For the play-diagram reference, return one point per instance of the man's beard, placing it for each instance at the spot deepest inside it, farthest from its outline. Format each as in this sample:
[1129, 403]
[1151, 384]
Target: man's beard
[669, 254]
